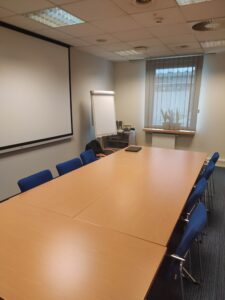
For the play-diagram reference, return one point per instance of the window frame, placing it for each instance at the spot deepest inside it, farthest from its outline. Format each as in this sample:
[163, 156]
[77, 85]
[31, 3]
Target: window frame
[172, 62]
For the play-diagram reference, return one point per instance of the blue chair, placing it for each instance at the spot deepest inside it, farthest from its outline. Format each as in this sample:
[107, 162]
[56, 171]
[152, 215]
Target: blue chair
[192, 231]
[207, 174]
[34, 180]
[209, 169]
[68, 166]
[88, 157]
[215, 157]
[195, 196]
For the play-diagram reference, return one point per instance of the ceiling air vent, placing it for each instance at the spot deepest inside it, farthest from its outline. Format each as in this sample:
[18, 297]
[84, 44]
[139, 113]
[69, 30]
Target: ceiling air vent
[142, 2]
[210, 25]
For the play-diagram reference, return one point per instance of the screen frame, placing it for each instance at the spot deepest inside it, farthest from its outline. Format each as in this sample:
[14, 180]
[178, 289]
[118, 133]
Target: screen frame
[53, 138]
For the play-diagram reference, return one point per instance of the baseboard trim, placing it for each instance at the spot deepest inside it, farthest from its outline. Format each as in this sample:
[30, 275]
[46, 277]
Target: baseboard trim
[221, 163]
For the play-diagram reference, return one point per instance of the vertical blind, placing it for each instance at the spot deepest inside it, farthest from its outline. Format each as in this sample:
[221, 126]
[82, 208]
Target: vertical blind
[172, 93]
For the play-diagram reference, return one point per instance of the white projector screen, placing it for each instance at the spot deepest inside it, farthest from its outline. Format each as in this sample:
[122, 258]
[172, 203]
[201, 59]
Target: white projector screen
[35, 102]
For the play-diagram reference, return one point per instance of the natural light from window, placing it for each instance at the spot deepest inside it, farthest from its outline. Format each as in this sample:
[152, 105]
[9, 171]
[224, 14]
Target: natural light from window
[172, 92]
[173, 89]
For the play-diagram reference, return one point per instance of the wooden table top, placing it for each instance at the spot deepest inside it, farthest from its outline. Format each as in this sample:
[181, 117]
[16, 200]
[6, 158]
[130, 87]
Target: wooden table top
[147, 193]
[152, 174]
[71, 193]
[47, 256]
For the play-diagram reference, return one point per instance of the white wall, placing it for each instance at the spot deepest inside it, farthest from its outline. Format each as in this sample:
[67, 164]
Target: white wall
[210, 136]
[88, 72]
[130, 95]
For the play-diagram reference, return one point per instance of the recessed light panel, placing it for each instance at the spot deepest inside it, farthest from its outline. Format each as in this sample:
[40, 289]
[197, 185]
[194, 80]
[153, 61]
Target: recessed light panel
[213, 44]
[127, 52]
[54, 17]
[188, 2]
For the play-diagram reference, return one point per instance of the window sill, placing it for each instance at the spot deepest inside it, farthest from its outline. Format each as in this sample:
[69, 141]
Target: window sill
[169, 131]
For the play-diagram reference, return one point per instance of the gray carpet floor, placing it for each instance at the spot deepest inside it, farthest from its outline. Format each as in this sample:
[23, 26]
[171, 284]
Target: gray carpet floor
[213, 258]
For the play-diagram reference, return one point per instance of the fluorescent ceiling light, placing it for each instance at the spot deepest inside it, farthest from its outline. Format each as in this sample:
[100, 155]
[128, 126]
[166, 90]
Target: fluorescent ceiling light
[188, 2]
[54, 17]
[213, 44]
[127, 52]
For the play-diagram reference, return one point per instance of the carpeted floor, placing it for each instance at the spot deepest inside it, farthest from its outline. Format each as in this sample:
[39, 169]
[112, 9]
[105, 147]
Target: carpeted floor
[213, 258]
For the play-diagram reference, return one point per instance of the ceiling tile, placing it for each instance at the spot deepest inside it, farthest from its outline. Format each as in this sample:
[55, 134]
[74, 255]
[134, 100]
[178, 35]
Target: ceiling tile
[146, 42]
[116, 47]
[163, 30]
[160, 53]
[130, 7]
[59, 2]
[188, 51]
[95, 50]
[5, 13]
[80, 30]
[204, 10]
[24, 22]
[175, 39]
[57, 35]
[78, 42]
[23, 6]
[189, 46]
[90, 10]
[123, 24]
[155, 49]
[117, 24]
[134, 57]
[168, 16]
[109, 39]
[133, 35]
[111, 56]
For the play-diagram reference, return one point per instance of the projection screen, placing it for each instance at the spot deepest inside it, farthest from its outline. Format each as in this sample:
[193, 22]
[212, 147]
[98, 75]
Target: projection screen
[35, 100]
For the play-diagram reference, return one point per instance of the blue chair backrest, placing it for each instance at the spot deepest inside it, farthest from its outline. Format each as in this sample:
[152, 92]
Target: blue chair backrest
[68, 166]
[208, 170]
[88, 156]
[34, 180]
[195, 226]
[196, 194]
[215, 157]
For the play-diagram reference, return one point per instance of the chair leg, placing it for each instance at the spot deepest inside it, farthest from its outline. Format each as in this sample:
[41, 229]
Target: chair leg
[181, 281]
[212, 190]
[213, 184]
[200, 261]
[189, 276]
[206, 200]
[189, 262]
[210, 193]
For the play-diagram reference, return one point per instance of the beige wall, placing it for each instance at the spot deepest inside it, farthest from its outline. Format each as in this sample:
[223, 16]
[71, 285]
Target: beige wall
[130, 95]
[88, 72]
[210, 136]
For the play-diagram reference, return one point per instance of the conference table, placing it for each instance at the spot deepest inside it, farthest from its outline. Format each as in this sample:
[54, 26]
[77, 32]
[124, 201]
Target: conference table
[99, 232]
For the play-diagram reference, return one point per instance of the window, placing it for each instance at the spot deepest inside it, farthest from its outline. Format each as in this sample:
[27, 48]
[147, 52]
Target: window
[172, 92]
